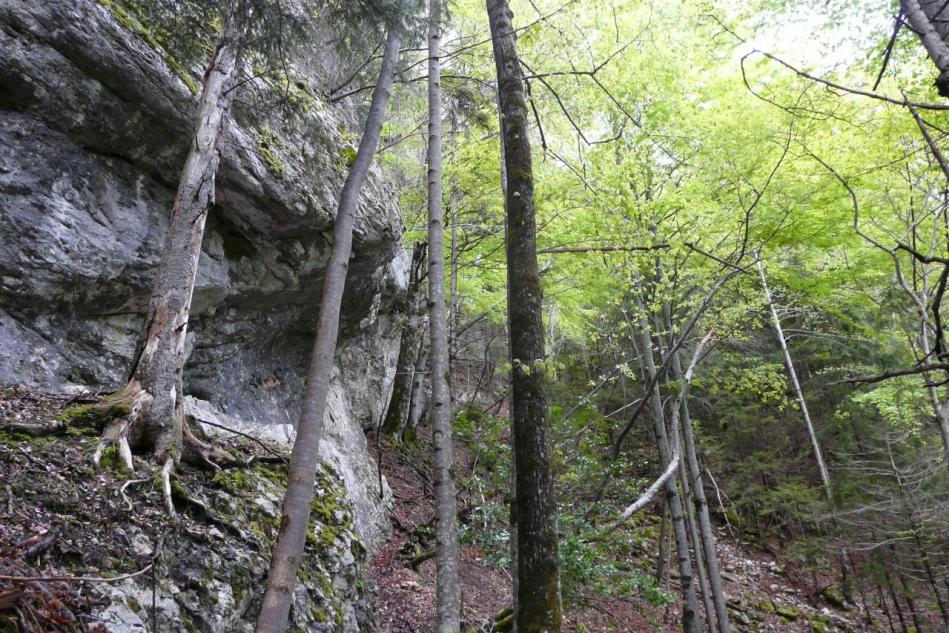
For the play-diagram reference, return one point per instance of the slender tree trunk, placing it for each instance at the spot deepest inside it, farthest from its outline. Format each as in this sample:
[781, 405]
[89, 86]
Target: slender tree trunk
[864, 603]
[697, 483]
[930, 576]
[448, 603]
[886, 609]
[779, 331]
[538, 600]
[512, 514]
[697, 553]
[418, 399]
[663, 548]
[910, 601]
[893, 598]
[939, 409]
[802, 402]
[454, 312]
[304, 459]
[701, 504]
[153, 396]
[690, 608]
[412, 332]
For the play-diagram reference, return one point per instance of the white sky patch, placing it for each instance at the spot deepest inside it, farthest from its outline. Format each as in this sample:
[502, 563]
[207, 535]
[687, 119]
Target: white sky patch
[819, 42]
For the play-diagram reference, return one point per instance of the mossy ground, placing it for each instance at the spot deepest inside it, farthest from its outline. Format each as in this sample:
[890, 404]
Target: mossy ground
[216, 559]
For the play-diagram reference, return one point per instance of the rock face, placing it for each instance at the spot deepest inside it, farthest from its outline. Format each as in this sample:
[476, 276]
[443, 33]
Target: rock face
[209, 564]
[95, 121]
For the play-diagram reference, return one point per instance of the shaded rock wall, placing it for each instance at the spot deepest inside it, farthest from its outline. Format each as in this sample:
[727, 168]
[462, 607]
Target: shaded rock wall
[95, 121]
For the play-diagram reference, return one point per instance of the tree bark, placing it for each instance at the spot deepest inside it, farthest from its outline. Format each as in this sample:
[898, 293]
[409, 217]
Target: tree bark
[304, 459]
[925, 19]
[698, 553]
[448, 599]
[538, 599]
[939, 408]
[690, 608]
[154, 392]
[663, 554]
[706, 533]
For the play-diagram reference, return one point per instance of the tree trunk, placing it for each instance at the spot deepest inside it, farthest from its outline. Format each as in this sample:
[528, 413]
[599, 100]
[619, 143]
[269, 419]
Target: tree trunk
[886, 609]
[939, 409]
[304, 459]
[663, 549]
[799, 393]
[448, 599]
[418, 399]
[454, 312]
[690, 607]
[893, 598]
[697, 552]
[930, 576]
[929, 25]
[412, 331]
[706, 533]
[538, 587]
[910, 601]
[154, 392]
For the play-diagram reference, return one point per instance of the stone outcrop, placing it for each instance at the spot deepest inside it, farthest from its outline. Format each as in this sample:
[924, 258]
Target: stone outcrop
[95, 121]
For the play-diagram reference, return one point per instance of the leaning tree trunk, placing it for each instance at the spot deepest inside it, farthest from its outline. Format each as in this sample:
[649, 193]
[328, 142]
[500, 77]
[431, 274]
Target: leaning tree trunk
[798, 392]
[693, 473]
[928, 21]
[690, 605]
[698, 555]
[538, 603]
[304, 459]
[153, 395]
[448, 599]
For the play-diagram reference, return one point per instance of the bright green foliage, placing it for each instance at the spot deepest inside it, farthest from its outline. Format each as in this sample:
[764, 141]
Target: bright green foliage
[668, 155]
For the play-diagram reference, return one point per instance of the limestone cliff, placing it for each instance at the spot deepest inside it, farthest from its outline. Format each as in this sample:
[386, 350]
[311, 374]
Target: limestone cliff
[95, 120]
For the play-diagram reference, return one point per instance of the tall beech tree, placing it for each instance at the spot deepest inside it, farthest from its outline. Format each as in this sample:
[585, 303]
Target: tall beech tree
[151, 403]
[448, 604]
[304, 460]
[538, 601]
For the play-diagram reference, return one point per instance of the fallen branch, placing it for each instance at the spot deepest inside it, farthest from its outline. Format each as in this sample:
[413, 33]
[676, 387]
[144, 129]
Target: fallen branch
[250, 437]
[77, 578]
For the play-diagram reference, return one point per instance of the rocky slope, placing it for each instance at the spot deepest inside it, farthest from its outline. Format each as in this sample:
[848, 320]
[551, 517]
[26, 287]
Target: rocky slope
[201, 572]
[95, 115]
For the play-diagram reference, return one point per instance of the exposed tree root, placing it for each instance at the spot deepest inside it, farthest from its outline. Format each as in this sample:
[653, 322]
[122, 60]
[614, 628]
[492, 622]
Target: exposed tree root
[199, 453]
[126, 422]
[48, 428]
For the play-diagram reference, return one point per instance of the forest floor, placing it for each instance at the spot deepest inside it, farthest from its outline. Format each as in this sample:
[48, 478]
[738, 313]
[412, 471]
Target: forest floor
[763, 595]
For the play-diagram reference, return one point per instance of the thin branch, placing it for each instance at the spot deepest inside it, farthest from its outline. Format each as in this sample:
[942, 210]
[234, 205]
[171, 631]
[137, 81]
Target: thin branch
[889, 50]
